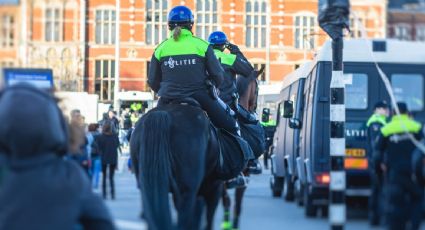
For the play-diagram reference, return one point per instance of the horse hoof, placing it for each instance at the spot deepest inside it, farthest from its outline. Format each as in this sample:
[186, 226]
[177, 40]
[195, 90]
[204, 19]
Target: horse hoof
[226, 225]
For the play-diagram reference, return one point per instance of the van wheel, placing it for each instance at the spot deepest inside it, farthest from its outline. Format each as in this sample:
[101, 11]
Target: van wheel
[325, 211]
[309, 209]
[276, 185]
[288, 188]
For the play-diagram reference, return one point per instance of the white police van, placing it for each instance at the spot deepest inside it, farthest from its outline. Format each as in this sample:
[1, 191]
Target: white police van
[300, 160]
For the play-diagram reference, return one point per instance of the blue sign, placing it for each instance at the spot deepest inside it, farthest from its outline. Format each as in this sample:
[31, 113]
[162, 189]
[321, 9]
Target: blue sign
[40, 78]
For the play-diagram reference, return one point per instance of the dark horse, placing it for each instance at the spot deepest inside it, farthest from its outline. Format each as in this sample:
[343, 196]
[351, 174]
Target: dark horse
[171, 151]
[248, 92]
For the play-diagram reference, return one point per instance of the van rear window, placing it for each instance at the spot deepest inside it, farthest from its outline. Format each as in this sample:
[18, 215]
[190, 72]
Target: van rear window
[355, 90]
[409, 88]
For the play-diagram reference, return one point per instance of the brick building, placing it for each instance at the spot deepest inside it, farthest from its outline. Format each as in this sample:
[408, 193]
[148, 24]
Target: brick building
[407, 21]
[77, 37]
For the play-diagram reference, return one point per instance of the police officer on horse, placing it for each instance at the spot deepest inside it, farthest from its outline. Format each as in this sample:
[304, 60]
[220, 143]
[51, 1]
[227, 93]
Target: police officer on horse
[184, 66]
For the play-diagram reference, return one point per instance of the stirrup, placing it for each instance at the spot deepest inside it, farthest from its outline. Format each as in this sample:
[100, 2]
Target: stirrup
[254, 167]
[239, 181]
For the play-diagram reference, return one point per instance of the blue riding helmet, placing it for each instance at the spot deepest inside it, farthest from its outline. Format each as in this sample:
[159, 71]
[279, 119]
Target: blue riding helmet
[180, 15]
[217, 38]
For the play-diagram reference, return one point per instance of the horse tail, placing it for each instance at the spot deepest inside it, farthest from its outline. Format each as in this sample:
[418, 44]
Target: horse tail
[155, 163]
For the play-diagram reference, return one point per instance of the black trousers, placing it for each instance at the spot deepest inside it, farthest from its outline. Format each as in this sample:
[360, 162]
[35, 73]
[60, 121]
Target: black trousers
[375, 199]
[215, 110]
[403, 205]
[111, 179]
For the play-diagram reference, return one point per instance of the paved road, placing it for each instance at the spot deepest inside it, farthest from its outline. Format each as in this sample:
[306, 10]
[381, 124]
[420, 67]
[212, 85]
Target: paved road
[260, 210]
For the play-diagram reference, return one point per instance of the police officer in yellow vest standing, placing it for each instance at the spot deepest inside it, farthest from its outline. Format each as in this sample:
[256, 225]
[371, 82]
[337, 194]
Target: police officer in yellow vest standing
[394, 152]
[374, 125]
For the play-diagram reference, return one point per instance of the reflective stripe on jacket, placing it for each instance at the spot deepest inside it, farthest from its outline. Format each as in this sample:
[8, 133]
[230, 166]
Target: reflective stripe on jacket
[180, 68]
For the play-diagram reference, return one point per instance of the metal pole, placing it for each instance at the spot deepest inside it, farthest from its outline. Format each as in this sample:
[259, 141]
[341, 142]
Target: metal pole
[117, 58]
[268, 43]
[82, 44]
[337, 208]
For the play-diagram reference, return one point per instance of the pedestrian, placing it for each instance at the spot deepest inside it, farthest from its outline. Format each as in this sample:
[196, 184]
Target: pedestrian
[40, 188]
[78, 141]
[108, 144]
[395, 154]
[374, 125]
[96, 165]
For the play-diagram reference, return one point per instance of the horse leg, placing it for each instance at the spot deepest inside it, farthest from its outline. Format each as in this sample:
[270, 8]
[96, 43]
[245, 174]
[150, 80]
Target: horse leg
[212, 198]
[238, 206]
[186, 207]
[226, 205]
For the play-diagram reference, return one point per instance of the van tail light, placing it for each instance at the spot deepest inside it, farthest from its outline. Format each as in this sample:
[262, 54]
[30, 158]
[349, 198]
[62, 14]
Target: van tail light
[323, 178]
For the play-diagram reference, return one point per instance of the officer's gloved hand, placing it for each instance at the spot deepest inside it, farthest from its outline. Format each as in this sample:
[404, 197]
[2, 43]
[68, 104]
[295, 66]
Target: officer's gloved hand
[234, 49]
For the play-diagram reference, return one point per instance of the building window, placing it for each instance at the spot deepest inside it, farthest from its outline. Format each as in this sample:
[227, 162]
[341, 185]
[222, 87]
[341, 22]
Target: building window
[256, 23]
[420, 33]
[6, 64]
[304, 32]
[357, 25]
[7, 38]
[258, 66]
[104, 79]
[105, 27]
[402, 32]
[156, 21]
[53, 25]
[206, 18]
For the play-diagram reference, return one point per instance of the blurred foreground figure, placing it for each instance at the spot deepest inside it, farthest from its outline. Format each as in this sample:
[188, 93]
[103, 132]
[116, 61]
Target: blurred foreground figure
[40, 188]
[403, 192]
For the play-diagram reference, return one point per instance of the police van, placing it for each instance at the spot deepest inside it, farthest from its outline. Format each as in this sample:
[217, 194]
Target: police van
[300, 153]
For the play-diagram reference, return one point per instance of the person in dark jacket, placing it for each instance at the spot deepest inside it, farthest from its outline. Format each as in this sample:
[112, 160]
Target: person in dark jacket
[108, 144]
[185, 66]
[41, 189]
[395, 154]
[233, 63]
[374, 125]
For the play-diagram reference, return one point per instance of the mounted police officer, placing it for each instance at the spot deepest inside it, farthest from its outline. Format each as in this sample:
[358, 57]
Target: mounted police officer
[374, 125]
[184, 66]
[394, 152]
[233, 63]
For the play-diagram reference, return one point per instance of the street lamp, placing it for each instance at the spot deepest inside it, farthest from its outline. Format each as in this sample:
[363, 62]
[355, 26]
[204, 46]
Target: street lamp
[333, 18]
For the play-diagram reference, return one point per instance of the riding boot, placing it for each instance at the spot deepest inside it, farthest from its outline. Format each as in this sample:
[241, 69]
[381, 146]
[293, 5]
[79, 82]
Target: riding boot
[254, 167]
[237, 182]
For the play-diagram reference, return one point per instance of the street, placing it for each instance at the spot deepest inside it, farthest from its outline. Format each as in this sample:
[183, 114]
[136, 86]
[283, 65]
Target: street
[260, 209]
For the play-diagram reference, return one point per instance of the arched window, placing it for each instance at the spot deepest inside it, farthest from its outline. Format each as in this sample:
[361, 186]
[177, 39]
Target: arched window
[156, 21]
[304, 28]
[206, 17]
[256, 23]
